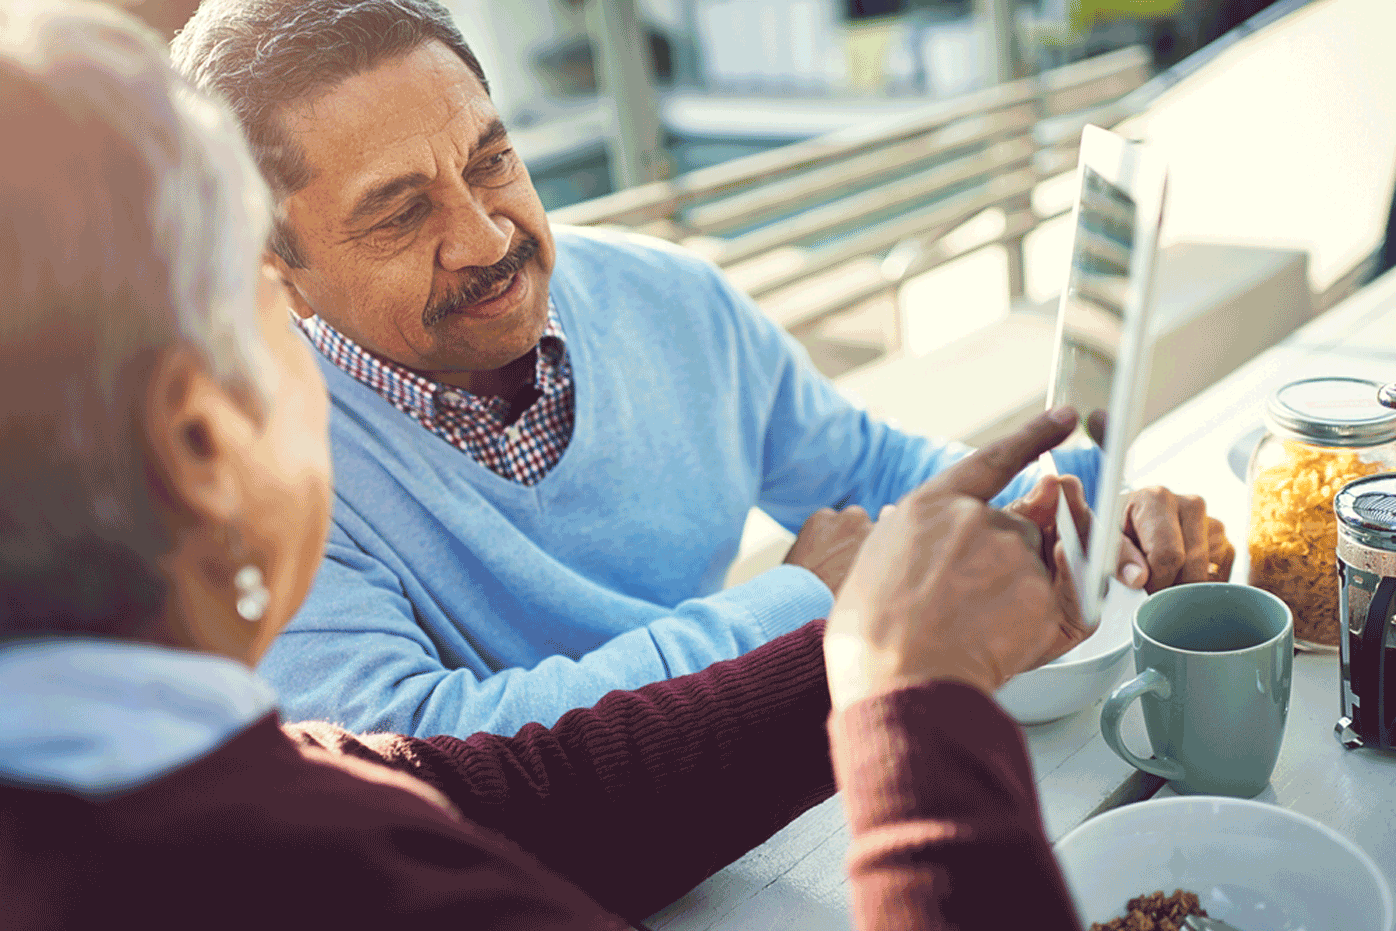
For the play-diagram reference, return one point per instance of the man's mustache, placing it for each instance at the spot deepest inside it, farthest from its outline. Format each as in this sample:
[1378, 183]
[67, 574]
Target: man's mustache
[485, 279]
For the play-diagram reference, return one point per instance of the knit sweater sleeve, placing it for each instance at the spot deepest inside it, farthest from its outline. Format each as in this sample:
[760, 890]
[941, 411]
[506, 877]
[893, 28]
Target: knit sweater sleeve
[946, 829]
[641, 797]
[366, 649]
[821, 449]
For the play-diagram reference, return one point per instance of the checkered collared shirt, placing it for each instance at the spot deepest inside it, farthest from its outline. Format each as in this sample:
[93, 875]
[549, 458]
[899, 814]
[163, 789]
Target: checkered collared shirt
[522, 451]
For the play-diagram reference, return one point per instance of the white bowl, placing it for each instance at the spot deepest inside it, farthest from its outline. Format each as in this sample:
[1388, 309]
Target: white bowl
[1255, 865]
[1076, 679]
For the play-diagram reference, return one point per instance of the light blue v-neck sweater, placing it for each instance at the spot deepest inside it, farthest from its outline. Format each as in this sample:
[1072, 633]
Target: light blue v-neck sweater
[452, 600]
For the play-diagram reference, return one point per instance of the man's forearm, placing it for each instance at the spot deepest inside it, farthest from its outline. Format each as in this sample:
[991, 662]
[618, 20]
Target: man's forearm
[360, 653]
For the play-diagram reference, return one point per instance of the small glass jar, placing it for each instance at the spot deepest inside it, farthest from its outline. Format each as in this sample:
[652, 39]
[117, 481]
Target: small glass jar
[1322, 434]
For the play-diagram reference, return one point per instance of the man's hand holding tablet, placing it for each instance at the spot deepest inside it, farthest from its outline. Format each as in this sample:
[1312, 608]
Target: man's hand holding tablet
[1167, 539]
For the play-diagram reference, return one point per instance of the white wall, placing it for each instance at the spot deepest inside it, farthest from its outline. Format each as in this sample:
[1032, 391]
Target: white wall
[1288, 138]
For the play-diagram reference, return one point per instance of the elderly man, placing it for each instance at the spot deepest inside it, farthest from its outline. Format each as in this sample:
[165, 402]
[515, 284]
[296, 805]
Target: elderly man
[545, 441]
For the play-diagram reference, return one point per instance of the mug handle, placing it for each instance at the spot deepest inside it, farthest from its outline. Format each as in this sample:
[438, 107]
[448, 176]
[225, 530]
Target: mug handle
[1150, 680]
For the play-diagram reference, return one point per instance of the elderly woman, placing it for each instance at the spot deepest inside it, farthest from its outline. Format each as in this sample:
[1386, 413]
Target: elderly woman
[164, 491]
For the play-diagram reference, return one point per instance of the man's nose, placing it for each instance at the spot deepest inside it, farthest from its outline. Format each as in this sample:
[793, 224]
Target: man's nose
[474, 236]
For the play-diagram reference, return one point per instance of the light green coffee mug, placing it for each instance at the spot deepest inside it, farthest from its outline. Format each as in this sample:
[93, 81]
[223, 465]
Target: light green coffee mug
[1215, 662]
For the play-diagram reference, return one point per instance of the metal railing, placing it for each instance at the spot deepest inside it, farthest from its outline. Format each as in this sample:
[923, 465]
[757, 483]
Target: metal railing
[828, 224]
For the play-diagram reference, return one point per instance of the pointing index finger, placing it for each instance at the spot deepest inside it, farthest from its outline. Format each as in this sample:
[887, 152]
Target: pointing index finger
[984, 473]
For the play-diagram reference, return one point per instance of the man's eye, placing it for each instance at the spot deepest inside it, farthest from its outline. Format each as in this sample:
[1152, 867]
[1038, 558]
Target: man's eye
[406, 218]
[496, 163]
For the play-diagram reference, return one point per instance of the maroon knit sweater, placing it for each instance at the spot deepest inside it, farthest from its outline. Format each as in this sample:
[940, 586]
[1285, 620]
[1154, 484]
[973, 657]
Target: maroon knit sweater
[615, 811]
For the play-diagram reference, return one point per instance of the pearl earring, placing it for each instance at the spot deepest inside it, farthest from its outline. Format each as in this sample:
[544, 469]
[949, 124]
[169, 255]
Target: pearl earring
[253, 596]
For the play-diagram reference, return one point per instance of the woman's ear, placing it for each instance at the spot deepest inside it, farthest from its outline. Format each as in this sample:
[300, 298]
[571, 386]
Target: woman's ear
[197, 434]
[286, 274]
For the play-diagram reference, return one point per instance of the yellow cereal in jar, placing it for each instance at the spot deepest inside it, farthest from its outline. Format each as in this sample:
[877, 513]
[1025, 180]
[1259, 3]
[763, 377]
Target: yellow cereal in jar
[1293, 534]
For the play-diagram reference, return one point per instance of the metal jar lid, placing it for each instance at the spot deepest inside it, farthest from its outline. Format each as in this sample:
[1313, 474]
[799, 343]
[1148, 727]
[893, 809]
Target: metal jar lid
[1366, 511]
[1331, 412]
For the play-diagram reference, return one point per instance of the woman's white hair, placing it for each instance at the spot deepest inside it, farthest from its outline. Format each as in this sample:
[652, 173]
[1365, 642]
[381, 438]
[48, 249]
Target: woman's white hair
[132, 224]
[209, 209]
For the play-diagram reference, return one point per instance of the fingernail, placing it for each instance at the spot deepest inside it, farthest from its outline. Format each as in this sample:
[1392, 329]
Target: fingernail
[1064, 415]
[1133, 574]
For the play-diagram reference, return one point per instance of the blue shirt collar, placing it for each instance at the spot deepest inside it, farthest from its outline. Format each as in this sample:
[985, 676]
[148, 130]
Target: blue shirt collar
[101, 717]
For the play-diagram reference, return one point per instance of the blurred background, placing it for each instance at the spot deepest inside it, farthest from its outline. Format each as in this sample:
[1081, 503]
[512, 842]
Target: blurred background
[736, 76]
[731, 77]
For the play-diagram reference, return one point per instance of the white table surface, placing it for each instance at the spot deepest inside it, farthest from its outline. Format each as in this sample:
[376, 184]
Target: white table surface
[797, 879]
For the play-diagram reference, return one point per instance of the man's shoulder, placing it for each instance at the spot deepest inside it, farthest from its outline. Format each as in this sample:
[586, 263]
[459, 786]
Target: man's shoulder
[593, 251]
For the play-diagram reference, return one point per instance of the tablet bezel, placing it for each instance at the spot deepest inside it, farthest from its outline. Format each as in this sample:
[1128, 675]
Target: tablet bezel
[1142, 175]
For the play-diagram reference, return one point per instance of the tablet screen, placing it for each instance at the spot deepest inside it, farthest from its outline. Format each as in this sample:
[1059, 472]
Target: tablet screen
[1094, 308]
[1100, 364]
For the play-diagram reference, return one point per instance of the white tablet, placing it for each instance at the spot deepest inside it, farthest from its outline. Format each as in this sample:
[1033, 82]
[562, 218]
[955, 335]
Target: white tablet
[1101, 366]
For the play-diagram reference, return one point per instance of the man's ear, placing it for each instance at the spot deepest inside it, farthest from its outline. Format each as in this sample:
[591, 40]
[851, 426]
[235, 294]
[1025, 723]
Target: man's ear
[197, 435]
[299, 306]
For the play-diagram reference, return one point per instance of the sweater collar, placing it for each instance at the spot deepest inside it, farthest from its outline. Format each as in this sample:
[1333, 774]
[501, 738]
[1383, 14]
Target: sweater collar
[422, 398]
[101, 717]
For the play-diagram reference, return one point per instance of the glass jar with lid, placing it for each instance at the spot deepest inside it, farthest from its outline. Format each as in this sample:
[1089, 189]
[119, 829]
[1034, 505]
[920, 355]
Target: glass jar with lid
[1321, 434]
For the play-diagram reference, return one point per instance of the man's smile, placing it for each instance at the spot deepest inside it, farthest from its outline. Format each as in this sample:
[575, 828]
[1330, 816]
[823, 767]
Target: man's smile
[504, 299]
[493, 291]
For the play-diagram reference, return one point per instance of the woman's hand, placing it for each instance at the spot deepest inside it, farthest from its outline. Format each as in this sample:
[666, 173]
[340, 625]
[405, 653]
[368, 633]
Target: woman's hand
[947, 587]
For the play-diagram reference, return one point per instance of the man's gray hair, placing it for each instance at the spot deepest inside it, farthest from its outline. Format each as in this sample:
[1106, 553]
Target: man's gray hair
[259, 56]
[132, 222]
